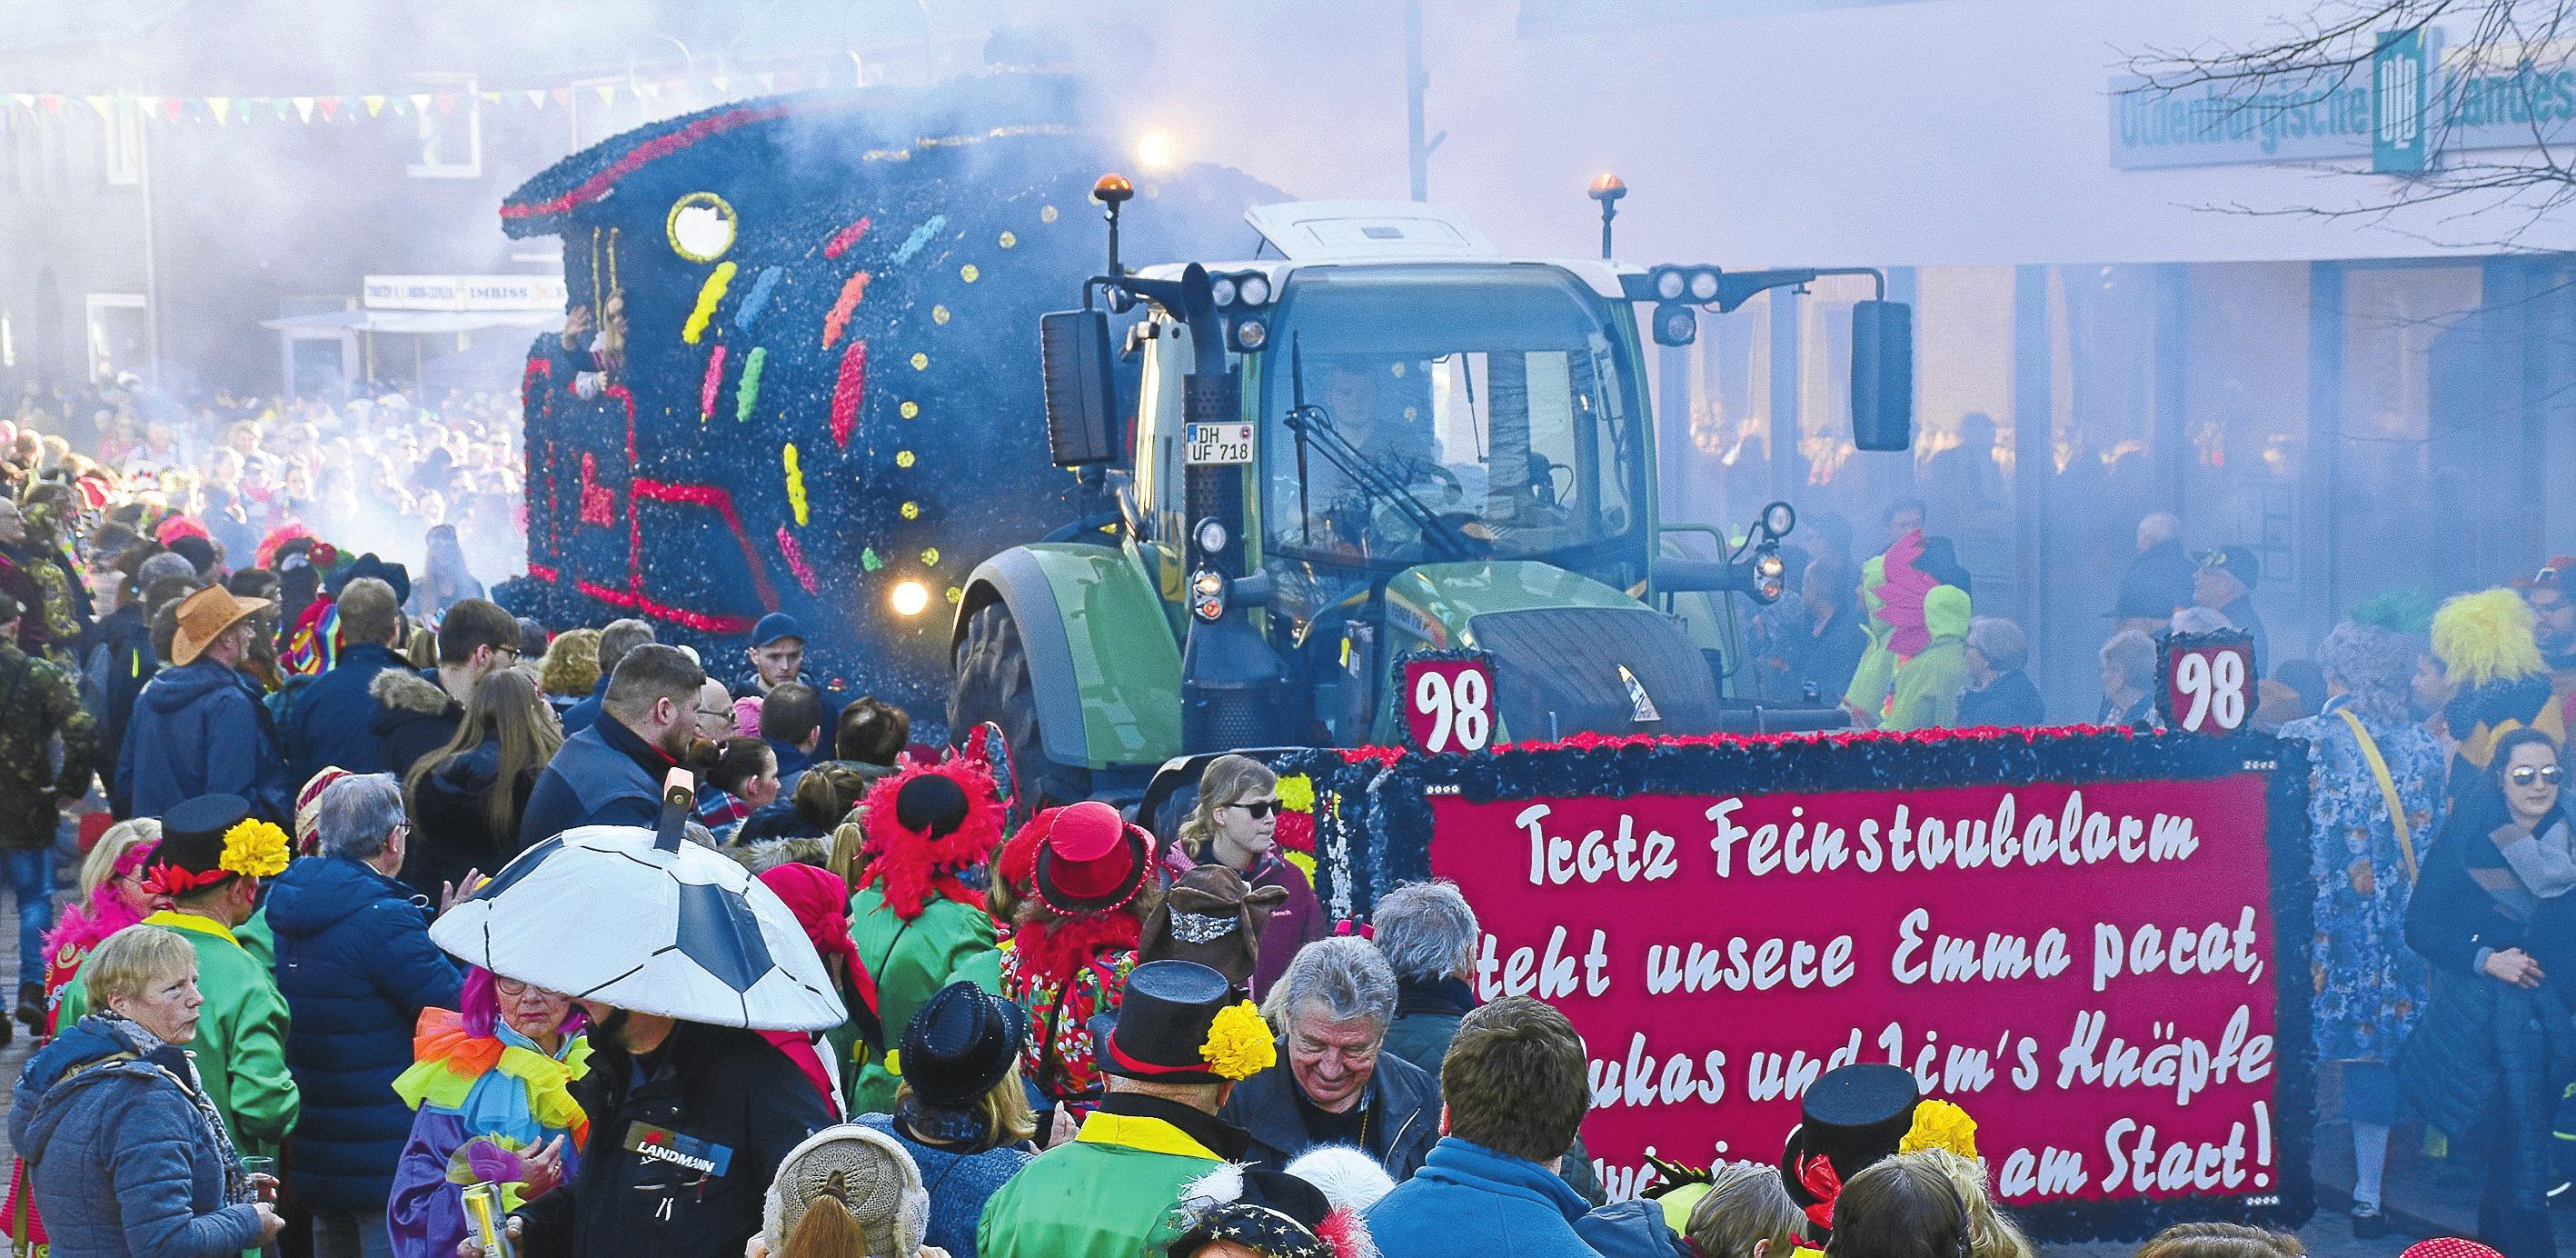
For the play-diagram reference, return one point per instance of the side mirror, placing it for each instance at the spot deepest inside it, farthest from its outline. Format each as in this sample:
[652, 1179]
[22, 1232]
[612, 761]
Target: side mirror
[1882, 375]
[1081, 397]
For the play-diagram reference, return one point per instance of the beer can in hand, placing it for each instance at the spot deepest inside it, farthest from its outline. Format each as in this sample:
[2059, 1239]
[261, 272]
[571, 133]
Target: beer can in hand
[487, 1220]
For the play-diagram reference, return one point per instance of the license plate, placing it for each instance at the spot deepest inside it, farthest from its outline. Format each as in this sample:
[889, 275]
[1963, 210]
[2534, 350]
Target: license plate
[1216, 443]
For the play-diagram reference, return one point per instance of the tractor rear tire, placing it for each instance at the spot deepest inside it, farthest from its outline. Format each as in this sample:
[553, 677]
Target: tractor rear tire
[994, 684]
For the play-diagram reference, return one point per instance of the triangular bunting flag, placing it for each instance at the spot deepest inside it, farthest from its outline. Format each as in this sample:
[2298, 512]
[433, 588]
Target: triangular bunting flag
[222, 106]
[648, 90]
[537, 97]
[607, 93]
[283, 106]
[23, 100]
[562, 95]
[101, 104]
[173, 108]
[447, 102]
[488, 98]
[419, 102]
[303, 108]
[330, 106]
[375, 105]
[53, 104]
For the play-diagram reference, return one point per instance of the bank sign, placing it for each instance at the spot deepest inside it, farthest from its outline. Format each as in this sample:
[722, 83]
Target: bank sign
[2398, 110]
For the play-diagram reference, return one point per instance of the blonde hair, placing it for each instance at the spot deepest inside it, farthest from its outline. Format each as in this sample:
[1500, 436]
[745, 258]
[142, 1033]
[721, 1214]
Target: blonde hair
[132, 960]
[1003, 1109]
[123, 837]
[2221, 1240]
[1991, 1232]
[1745, 1205]
[846, 838]
[1228, 780]
[570, 666]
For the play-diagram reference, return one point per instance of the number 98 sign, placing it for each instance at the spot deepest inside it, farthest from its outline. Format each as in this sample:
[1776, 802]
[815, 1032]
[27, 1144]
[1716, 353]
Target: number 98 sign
[1448, 703]
[2209, 684]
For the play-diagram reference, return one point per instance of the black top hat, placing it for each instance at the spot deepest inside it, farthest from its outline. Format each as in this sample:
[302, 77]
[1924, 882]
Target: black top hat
[1163, 1023]
[1853, 1117]
[368, 565]
[960, 1044]
[192, 841]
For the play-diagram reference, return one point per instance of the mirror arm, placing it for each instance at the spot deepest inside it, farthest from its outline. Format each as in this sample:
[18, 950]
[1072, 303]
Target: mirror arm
[1734, 288]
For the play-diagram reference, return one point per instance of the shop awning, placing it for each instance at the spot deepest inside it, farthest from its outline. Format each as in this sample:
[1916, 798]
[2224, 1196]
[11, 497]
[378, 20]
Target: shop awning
[425, 322]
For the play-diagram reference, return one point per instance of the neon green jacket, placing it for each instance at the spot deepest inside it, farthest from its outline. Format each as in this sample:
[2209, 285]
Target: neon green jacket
[1928, 686]
[911, 961]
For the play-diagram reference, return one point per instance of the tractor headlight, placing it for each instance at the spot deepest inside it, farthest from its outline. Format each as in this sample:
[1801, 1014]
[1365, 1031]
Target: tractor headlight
[1254, 288]
[1212, 537]
[909, 598]
[1670, 283]
[1207, 594]
[1703, 286]
[1221, 290]
[1250, 334]
[1778, 519]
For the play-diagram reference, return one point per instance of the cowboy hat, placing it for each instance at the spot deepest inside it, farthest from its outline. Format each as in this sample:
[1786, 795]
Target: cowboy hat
[204, 616]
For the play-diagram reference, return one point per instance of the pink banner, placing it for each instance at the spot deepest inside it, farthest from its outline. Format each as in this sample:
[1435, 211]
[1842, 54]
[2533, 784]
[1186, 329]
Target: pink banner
[2085, 969]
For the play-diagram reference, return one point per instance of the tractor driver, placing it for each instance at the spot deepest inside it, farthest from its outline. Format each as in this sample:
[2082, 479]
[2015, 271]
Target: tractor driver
[1366, 408]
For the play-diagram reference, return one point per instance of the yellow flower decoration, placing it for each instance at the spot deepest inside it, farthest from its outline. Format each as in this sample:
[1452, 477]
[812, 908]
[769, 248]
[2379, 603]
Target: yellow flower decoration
[254, 849]
[1297, 793]
[894, 1062]
[1238, 1043]
[1941, 1125]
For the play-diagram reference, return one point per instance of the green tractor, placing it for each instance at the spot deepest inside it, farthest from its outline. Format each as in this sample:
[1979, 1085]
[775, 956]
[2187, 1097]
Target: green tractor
[1385, 440]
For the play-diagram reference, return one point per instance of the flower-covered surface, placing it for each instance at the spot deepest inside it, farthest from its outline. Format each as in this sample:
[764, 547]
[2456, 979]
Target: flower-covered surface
[840, 395]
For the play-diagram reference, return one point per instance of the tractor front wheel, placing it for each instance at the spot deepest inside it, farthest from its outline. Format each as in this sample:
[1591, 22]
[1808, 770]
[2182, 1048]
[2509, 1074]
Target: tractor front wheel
[994, 684]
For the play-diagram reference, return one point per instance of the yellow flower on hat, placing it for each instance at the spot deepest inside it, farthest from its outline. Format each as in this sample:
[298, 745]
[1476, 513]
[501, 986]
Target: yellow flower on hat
[1941, 1125]
[1238, 1043]
[1297, 793]
[254, 849]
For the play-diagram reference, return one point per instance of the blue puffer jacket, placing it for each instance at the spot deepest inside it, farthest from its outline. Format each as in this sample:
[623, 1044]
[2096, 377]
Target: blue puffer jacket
[356, 966]
[331, 721]
[200, 730]
[123, 1162]
[1512, 1207]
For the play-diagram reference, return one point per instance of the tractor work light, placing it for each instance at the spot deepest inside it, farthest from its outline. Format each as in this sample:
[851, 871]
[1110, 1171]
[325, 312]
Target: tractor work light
[1250, 334]
[1243, 288]
[1670, 283]
[1697, 285]
[1212, 536]
[1778, 519]
[1676, 324]
[1221, 290]
[909, 598]
[1207, 594]
[1703, 285]
[1254, 288]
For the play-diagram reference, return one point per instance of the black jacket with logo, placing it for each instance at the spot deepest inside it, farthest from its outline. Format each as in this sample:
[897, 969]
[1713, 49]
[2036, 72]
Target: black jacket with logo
[707, 1086]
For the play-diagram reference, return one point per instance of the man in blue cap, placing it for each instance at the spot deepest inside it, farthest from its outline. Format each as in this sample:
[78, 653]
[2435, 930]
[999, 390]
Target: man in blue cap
[777, 654]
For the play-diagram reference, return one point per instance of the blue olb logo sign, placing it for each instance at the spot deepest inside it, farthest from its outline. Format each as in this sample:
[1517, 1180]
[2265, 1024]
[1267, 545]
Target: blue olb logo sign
[2397, 79]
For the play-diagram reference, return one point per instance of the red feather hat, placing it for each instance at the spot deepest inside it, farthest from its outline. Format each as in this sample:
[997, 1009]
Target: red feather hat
[925, 824]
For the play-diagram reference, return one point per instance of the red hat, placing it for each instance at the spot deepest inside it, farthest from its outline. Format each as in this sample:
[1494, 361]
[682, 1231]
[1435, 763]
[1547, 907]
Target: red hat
[2449, 1247]
[1089, 859]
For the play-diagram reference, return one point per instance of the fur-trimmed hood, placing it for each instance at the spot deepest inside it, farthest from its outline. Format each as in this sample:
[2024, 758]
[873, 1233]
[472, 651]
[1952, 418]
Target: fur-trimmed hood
[404, 690]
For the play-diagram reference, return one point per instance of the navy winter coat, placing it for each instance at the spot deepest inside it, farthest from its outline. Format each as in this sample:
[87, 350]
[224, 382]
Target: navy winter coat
[331, 721]
[414, 717]
[450, 831]
[356, 966]
[200, 730]
[583, 715]
[116, 661]
[602, 776]
[122, 1161]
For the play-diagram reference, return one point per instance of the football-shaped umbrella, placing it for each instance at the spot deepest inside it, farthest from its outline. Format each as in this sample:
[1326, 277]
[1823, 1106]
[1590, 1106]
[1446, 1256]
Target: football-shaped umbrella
[616, 915]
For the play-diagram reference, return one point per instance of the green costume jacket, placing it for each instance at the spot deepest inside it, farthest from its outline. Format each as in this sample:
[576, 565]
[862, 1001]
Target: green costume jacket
[241, 1033]
[911, 961]
[1928, 685]
[1105, 1195]
[37, 702]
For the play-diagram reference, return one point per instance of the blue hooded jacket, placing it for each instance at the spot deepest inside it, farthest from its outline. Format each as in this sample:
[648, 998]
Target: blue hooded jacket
[602, 776]
[200, 729]
[329, 724]
[121, 1161]
[356, 966]
[1513, 1207]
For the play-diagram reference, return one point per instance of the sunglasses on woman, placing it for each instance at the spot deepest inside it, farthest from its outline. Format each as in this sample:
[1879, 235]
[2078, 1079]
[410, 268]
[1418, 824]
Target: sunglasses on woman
[2526, 775]
[1259, 808]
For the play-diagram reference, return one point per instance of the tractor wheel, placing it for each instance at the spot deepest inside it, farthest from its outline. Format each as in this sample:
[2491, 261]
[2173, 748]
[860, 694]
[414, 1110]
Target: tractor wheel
[993, 684]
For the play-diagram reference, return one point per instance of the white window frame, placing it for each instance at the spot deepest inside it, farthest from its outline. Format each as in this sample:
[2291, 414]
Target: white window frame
[91, 306]
[463, 87]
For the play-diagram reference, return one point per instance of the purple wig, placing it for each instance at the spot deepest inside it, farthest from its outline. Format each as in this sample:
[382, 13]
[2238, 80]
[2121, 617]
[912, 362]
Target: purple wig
[482, 1006]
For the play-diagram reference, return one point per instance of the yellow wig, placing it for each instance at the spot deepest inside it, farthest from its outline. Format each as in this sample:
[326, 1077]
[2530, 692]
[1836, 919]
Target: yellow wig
[2486, 636]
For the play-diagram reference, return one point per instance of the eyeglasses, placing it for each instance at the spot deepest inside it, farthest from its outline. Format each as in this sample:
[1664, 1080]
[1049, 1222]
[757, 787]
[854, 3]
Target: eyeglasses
[2526, 775]
[508, 986]
[1259, 808]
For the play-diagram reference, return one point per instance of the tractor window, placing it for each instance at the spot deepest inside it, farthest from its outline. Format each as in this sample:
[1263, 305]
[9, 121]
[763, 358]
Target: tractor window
[1452, 412]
